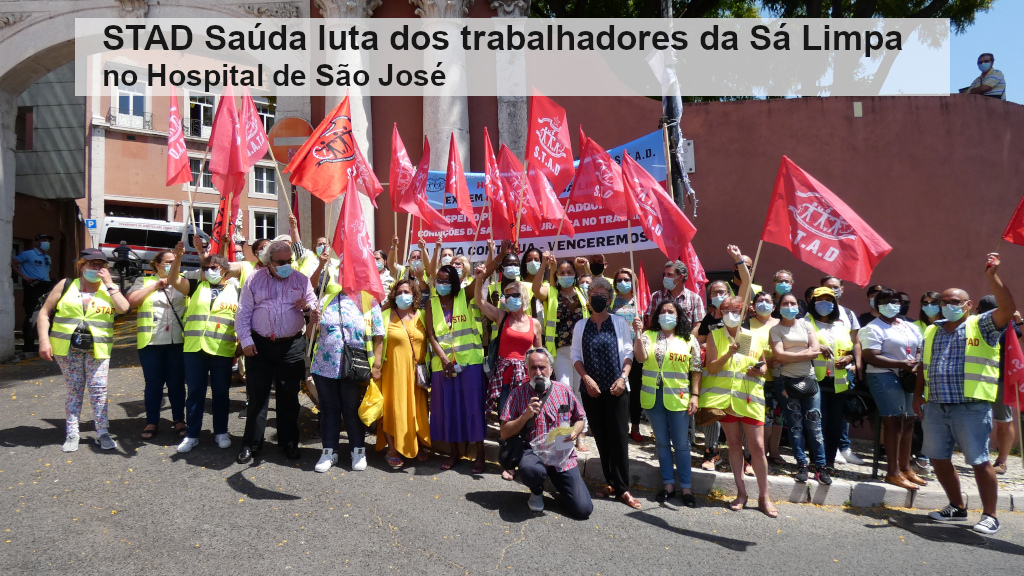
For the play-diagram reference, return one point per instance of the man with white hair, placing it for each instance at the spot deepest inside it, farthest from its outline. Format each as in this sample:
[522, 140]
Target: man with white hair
[270, 321]
[534, 410]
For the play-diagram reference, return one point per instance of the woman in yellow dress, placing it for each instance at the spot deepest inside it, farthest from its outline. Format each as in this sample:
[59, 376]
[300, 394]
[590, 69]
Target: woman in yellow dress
[404, 425]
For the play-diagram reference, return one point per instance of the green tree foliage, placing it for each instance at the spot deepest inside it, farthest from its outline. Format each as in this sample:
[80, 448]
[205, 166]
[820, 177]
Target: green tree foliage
[643, 8]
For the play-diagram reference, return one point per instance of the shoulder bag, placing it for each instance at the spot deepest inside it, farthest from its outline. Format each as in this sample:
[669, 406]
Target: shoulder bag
[422, 376]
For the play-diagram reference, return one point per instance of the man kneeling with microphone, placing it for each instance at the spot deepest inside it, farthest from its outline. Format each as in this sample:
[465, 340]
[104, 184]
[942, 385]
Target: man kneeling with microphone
[539, 408]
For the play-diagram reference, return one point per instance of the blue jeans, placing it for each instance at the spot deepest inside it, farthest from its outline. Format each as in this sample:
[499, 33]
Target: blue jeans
[968, 424]
[201, 367]
[163, 364]
[671, 436]
[804, 418]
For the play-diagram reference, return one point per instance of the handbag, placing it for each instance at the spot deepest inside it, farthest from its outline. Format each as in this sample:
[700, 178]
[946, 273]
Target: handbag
[422, 376]
[708, 416]
[355, 364]
[908, 380]
[800, 389]
[510, 452]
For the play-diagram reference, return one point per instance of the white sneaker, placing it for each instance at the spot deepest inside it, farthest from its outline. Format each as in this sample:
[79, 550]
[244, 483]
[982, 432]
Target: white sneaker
[187, 444]
[223, 440]
[359, 459]
[327, 459]
[852, 458]
[840, 459]
[536, 502]
[71, 443]
[106, 442]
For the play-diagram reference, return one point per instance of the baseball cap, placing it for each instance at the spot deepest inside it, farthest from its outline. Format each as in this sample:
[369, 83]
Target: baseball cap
[44, 236]
[92, 254]
[823, 291]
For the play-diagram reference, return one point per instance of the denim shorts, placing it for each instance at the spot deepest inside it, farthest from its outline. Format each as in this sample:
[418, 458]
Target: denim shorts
[889, 395]
[968, 425]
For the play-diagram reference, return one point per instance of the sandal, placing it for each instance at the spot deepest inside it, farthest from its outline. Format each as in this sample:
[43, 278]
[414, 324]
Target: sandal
[424, 455]
[738, 504]
[181, 428]
[394, 461]
[628, 500]
[768, 508]
[149, 431]
[604, 492]
[508, 475]
[777, 460]
[448, 463]
[479, 467]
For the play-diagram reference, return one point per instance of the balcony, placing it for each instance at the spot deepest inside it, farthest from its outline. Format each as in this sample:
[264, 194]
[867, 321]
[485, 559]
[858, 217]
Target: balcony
[130, 119]
[194, 128]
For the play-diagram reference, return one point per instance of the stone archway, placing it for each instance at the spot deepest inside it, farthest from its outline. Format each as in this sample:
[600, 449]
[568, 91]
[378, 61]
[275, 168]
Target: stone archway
[36, 38]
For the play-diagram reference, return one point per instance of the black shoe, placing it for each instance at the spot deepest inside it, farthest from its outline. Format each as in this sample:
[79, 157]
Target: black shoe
[689, 501]
[246, 455]
[801, 474]
[662, 496]
[291, 451]
[824, 477]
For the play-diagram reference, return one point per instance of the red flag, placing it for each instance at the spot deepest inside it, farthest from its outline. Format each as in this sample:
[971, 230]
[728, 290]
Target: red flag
[415, 201]
[516, 189]
[225, 224]
[401, 173]
[599, 180]
[455, 181]
[583, 140]
[228, 161]
[322, 164]
[697, 279]
[366, 180]
[819, 228]
[547, 141]
[254, 133]
[178, 170]
[642, 291]
[1013, 369]
[551, 213]
[662, 221]
[1014, 233]
[502, 216]
[357, 271]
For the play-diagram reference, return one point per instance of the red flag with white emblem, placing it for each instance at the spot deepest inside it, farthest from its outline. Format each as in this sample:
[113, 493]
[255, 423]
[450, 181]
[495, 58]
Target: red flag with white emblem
[401, 172]
[503, 219]
[322, 164]
[552, 213]
[517, 190]
[415, 201]
[455, 181]
[228, 162]
[547, 141]
[662, 221]
[357, 270]
[697, 279]
[599, 180]
[178, 170]
[254, 133]
[819, 228]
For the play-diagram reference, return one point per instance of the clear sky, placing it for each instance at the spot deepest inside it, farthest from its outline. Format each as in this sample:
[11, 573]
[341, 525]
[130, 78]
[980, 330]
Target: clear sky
[997, 31]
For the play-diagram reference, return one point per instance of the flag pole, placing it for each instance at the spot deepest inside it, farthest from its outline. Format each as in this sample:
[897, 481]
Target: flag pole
[522, 197]
[476, 234]
[629, 234]
[565, 215]
[746, 296]
[184, 233]
[280, 182]
[408, 231]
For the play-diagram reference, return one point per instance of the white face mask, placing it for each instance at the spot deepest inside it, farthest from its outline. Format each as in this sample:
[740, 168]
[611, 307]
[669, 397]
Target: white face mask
[731, 319]
[446, 260]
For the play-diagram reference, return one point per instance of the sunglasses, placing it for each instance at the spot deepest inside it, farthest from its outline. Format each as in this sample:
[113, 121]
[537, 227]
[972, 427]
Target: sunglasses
[516, 295]
[211, 268]
[280, 262]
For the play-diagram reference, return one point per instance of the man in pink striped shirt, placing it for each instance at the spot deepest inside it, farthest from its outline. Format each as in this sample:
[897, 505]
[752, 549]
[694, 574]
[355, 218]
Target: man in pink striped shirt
[271, 316]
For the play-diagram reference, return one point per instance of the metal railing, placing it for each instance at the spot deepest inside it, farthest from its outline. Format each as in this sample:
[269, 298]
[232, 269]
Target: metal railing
[194, 128]
[117, 117]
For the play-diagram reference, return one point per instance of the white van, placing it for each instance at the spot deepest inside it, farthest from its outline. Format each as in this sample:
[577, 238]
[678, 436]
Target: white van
[147, 237]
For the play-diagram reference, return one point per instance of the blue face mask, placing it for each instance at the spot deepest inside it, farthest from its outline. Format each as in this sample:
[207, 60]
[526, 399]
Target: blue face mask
[764, 308]
[668, 283]
[952, 313]
[319, 250]
[585, 286]
[533, 266]
[984, 66]
[871, 302]
[513, 304]
[91, 274]
[416, 265]
[823, 307]
[443, 289]
[511, 272]
[284, 270]
[623, 287]
[789, 312]
[404, 301]
[930, 310]
[44, 246]
[167, 269]
[667, 321]
[783, 288]
[716, 301]
[566, 281]
[889, 310]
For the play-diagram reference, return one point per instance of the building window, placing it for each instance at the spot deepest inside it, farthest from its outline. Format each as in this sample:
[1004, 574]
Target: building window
[23, 128]
[193, 165]
[203, 218]
[263, 181]
[264, 224]
[128, 108]
[266, 109]
[200, 115]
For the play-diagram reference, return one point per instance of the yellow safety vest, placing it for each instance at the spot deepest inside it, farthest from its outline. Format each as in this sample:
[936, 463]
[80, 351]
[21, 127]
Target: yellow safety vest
[144, 317]
[921, 326]
[527, 291]
[731, 388]
[551, 316]
[461, 341]
[247, 269]
[755, 289]
[98, 318]
[762, 329]
[841, 347]
[674, 375]
[211, 329]
[981, 362]
[332, 290]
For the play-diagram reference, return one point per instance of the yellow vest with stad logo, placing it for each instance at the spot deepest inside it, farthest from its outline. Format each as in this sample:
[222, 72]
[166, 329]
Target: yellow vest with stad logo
[841, 347]
[981, 362]
[211, 328]
[551, 316]
[731, 389]
[98, 318]
[144, 325]
[674, 374]
[461, 341]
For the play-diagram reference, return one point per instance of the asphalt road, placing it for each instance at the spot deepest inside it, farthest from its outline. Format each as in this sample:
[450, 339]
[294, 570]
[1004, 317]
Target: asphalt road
[146, 509]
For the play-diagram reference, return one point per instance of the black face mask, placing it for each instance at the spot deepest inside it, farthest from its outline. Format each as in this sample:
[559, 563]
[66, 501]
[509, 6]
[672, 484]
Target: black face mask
[596, 268]
[598, 303]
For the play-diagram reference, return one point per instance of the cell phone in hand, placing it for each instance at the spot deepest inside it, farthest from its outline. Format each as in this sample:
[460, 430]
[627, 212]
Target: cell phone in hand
[758, 365]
